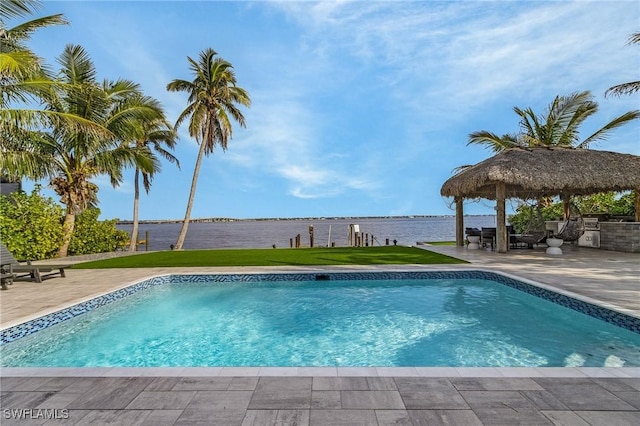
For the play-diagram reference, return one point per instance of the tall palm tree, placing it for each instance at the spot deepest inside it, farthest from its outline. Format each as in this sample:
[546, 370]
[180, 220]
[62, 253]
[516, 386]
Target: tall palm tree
[213, 102]
[70, 157]
[150, 136]
[632, 86]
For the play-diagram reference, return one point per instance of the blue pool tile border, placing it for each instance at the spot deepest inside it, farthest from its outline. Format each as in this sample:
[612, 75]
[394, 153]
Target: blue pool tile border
[29, 327]
[613, 317]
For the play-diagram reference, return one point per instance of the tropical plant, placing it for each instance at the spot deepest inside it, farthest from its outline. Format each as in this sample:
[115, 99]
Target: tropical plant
[23, 77]
[213, 102]
[72, 156]
[632, 86]
[21, 72]
[610, 203]
[30, 224]
[559, 126]
[96, 236]
[150, 136]
[525, 215]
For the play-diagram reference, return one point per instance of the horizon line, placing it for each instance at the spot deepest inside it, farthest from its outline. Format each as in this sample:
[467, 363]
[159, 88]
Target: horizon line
[230, 219]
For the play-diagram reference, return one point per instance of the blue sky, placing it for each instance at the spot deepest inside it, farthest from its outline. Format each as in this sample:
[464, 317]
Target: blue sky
[358, 108]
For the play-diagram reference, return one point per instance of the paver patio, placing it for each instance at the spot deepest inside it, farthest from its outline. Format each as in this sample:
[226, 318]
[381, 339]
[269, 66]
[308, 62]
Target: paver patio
[328, 396]
[297, 400]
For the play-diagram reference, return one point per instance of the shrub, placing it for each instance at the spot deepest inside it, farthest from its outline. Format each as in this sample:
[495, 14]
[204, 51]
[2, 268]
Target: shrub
[30, 225]
[609, 202]
[93, 236]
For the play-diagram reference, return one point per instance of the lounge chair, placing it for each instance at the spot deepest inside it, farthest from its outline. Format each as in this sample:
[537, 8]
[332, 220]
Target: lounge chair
[488, 237]
[6, 278]
[11, 266]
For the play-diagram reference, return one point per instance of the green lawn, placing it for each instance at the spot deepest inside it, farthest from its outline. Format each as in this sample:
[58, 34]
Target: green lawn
[276, 257]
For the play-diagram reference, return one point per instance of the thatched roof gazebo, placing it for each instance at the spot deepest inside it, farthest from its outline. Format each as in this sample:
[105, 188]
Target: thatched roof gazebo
[530, 173]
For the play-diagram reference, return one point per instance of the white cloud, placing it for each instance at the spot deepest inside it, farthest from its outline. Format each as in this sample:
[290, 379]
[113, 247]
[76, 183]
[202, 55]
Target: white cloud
[463, 54]
[284, 140]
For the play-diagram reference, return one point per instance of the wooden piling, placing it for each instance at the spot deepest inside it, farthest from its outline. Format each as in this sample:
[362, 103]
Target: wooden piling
[145, 241]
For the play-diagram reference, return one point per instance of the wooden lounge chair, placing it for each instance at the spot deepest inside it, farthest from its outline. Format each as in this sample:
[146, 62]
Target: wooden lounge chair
[16, 269]
[6, 278]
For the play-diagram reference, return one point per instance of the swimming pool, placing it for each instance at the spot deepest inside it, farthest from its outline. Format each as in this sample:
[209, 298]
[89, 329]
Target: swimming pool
[462, 318]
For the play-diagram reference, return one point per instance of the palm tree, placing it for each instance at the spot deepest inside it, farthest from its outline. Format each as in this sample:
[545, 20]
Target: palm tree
[70, 157]
[22, 75]
[213, 102]
[632, 86]
[151, 136]
[560, 126]
[24, 80]
[21, 70]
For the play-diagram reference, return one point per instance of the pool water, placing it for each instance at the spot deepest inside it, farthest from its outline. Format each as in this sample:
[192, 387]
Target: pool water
[408, 322]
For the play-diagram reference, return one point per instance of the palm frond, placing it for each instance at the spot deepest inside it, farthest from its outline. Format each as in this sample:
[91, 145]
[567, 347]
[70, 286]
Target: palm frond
[22, 32]
[77, 65]
[603, 133]
[623, 89]
[18, 64]
[18, 8]
[492, 141]
[630, 87]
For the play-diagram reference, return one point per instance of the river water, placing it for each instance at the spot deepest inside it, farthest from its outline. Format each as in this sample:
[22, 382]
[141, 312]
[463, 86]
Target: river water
[280, 232]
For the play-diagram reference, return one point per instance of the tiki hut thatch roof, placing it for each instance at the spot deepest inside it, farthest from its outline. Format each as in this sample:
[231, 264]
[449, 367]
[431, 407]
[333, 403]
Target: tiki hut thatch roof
[530, 173]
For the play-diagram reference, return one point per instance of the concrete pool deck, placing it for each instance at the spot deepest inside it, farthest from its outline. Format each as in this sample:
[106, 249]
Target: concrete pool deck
[327, 396]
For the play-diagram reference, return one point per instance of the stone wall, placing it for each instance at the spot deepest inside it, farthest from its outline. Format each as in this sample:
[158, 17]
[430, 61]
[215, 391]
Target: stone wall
[620, 236]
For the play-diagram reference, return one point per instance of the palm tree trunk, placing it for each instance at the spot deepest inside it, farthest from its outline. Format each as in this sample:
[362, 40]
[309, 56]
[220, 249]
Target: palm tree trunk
[187, 215]
[136, 200]
[67, 232]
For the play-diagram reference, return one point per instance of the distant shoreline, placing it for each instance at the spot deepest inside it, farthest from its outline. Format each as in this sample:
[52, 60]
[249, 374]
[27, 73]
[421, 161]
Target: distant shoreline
[227, 219]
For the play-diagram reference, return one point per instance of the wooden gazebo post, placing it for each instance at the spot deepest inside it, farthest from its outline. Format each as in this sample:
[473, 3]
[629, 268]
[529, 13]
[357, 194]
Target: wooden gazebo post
[566, 206]
[501, 218]
[637, 205]
[459, 222]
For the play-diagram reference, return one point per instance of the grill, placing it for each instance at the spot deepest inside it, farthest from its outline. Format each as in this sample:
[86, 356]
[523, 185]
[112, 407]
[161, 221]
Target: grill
[591, 236]
[591, 224]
